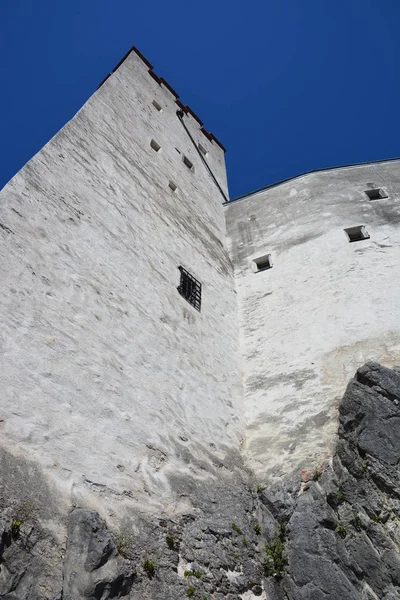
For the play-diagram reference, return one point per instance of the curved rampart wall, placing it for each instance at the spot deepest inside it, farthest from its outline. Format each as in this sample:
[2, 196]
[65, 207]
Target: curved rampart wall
[325, 307]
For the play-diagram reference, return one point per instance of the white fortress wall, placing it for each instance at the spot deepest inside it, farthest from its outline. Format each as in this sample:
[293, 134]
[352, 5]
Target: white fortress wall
[111, 382]
[325, 307]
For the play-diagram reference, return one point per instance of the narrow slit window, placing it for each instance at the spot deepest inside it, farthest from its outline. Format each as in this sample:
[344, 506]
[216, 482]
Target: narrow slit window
[263, 263]
[190, 289]
[172, 186]
[188, 163]
[203, 150]
[157, 106]
[155, 146]
[376, 194]
[356, 234]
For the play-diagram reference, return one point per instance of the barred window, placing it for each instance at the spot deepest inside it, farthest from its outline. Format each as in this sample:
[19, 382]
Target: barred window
[190, 289]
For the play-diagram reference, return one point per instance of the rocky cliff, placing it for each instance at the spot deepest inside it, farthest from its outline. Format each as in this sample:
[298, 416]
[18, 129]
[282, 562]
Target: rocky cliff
[332, 532]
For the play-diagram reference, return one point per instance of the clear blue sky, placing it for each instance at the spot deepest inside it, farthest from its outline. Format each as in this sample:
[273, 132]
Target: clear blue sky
[286, 85]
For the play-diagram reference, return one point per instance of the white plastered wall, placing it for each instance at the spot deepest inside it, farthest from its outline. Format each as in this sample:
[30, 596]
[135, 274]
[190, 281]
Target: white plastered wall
[323, 309]
[110, 380]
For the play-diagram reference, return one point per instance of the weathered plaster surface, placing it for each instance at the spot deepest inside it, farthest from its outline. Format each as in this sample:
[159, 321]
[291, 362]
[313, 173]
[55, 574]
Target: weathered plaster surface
[325, 306]
[120, 393]
[111, 382]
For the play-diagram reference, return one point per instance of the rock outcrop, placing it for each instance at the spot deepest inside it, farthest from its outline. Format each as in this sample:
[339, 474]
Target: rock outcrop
[344, 533]
[331, 533]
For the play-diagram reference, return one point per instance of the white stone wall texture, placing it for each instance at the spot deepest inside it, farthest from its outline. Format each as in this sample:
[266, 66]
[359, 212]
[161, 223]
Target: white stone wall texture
[111, 382]
[325, 307]
[113, 386]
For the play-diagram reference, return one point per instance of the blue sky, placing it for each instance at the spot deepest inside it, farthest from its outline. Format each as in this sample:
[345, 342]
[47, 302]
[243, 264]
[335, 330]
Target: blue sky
[286, 85]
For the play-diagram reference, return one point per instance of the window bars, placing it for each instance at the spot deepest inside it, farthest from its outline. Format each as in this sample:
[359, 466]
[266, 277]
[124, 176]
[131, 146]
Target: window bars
[190, 289]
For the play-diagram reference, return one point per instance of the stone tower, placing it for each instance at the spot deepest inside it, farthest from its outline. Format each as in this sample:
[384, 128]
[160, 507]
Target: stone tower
[113, 382]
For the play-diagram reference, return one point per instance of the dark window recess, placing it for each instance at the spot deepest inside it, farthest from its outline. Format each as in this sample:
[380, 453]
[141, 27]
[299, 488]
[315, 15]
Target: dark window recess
[356, 234]
[376, 194]
[263, 263]
[190, 289]
[203, 150]
[155, 145]
[157, 106]
[188, 163]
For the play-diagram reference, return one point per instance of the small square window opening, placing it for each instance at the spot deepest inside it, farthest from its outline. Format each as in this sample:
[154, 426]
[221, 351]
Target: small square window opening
[157, 106]
[188, 163]
[356, 234]
[190, 289]
[155, 146]
[376, 194]
[203, 150]
[263, 263]
[172, 186]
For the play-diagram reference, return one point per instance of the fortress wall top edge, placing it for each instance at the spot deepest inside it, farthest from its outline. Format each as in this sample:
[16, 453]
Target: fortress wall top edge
[161, 81]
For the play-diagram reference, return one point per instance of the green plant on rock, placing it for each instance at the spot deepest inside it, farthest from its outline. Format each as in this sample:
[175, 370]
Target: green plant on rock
[172, 543]
[245, 542]
[377, 518]
[190, 591]
[24, 510]
[196, 574]
[316, 475]
[357, 522]
[341, 530]
[257, 529]
[16, 528]
[340, 495]
[149, 568]
[260, 489]
[275, 554]
[236, 528]
[124, 544]
[364, 467]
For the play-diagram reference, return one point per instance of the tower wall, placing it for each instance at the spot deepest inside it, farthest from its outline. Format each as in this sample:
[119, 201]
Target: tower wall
[112, 384]
[325, 307]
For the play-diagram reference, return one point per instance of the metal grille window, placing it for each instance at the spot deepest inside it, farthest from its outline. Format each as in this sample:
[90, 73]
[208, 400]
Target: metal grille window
[190, 289]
